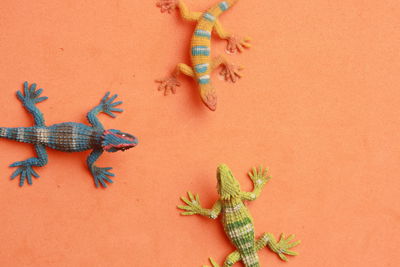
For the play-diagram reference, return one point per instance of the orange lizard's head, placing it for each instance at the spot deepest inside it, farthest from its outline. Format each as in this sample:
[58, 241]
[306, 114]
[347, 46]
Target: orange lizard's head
[209, 96]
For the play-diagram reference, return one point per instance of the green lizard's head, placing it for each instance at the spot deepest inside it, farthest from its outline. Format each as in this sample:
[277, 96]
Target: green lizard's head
[115, 140]
[227, 185]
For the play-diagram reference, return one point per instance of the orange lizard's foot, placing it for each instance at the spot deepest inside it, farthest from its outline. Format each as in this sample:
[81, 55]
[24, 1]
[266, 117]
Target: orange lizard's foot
[237, 44]
[167, 5]
[231, 72]
[209, 96]
[168, 84]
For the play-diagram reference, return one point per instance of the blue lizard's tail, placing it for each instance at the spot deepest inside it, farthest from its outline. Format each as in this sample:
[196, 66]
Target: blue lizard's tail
[20, 134]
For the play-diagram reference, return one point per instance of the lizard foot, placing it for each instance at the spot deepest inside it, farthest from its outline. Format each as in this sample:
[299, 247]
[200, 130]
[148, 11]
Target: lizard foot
[24, 171]
[101, 176]
[168, 84]
[260, 176]
[192, 206]
[237, 44]
[282, 247]
[231, 72]
[213, 263]
[30, 95]
[167, 5]
[109, 106]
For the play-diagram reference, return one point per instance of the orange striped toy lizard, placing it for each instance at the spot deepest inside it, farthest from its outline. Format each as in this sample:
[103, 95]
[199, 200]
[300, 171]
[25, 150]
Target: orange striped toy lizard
[202, 63]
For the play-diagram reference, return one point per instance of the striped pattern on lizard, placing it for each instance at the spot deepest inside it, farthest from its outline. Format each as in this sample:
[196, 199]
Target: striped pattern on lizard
[67, 137]
[202, 64]
[236, 219]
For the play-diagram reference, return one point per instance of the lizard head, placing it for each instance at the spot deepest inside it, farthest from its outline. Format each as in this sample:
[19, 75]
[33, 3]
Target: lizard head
[227, 185]
[115, 140]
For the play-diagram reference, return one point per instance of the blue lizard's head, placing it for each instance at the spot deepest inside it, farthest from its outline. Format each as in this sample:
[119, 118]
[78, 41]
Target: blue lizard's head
[227, 185]
[115, 140]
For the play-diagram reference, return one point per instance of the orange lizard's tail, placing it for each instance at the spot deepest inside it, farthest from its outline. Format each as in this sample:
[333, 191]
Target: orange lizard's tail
[209, 96]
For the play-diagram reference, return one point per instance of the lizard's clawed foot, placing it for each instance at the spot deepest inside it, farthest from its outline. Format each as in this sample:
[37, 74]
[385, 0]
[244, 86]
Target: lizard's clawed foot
[282, 247]
[167, 5]
[259, 176]
[168, 84]
[231, 72]
[213, 263]
[108, 107]
[101, 176]
[30, 95]
[25, 172]
[237, 44]
[192, 206]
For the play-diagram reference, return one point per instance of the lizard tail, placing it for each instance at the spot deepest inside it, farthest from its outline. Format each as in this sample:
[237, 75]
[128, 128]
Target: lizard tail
[220, 8]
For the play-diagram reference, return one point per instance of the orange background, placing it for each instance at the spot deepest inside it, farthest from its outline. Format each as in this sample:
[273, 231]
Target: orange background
[318, 104]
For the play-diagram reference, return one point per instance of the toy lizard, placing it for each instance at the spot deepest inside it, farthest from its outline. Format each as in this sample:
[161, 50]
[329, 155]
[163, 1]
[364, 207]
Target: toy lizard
[236, 219]
[202, 63]
[67, 136]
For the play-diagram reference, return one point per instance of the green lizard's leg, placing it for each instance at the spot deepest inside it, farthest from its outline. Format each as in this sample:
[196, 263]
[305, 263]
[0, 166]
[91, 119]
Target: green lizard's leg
[107, 106]
[25, 170]
[170, 84]
[234, 43]
[193, 206]
[232, 258]
[259, 177]
[29, 97]
[100, 175]
[230, 72]
[281, 248]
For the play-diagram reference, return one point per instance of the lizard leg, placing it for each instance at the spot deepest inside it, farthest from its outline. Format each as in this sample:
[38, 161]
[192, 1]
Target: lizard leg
[259, 177]
[100, 175]
[234, 43]
[169, 5]
[29, 97]
[171, 83]
[230, 72]
[107, 106]
[25, 170]
[281, 248]
[193, 206]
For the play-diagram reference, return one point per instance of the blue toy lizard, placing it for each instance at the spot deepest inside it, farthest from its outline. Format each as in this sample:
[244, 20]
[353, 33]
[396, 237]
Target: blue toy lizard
[67, 136]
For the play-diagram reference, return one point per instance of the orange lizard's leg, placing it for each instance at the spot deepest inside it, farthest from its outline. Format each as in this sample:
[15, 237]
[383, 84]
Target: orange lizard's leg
[229, 71]
[169, 5]
[234, 43]
[170, 84]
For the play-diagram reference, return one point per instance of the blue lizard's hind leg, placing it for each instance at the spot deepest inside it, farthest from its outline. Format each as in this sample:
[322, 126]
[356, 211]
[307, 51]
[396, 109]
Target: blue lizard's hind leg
[25, 170]
[29, 97]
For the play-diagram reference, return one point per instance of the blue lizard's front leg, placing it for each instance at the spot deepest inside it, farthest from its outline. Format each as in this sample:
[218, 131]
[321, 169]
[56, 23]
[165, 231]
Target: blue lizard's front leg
[29, 97]
[25, 170]
[106, 106]
[100, 175]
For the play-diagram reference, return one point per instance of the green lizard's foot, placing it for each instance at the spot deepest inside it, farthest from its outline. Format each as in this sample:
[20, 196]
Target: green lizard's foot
[213, 263]
[237, 44]
[30, 96]
[25, 172]
[260, 176]
[101, 176]
[108, 106]
[167, 5]
[282, 247]
[231, 72]
[193, 205]
[168, 84]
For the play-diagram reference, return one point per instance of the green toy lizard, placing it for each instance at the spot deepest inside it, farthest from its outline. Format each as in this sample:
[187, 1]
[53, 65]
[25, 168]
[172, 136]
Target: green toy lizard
[236, 219]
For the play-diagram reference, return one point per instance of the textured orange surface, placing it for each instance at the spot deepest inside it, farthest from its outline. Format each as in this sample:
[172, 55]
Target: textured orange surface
[319, 104]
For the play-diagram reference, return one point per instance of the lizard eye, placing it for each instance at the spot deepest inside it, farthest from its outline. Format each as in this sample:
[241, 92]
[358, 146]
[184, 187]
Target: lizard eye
[123, 135]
